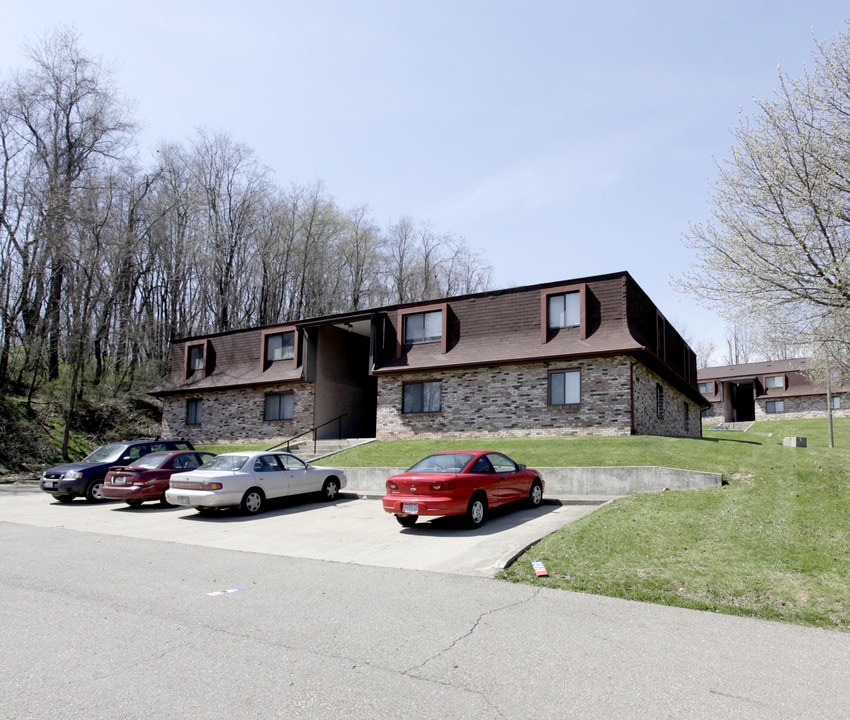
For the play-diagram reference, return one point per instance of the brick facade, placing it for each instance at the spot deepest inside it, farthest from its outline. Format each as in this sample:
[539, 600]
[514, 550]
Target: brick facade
[493, 354]
[515, 399]
[230, 416]
[796, 408]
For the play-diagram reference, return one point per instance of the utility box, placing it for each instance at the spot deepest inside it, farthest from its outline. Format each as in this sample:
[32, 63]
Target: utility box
[794, 442]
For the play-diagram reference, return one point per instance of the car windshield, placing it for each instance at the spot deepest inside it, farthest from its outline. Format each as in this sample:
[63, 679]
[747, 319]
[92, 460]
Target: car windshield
[442, 463]
[106, 453]
[151, 460]
[225, 462]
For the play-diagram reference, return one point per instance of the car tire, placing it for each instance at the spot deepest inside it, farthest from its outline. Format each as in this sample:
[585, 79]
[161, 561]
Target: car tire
[134, 503]
[535, 494]
[476, 511]
[407, 520]
[164, 501]
[252, 501]
[94, 491]
[330, 489]
[64, 498]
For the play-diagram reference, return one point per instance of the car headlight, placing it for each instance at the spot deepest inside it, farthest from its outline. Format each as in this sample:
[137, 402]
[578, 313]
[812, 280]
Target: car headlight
[72, 475]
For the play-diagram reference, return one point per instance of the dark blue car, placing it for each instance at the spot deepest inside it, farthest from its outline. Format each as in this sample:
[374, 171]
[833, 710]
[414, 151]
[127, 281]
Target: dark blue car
[85, 478]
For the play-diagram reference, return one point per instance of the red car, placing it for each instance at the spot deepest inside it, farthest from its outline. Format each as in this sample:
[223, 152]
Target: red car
[461, 482]
[147, 478]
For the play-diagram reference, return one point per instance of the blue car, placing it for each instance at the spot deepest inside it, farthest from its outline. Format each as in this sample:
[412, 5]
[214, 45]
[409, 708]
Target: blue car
[85, 478]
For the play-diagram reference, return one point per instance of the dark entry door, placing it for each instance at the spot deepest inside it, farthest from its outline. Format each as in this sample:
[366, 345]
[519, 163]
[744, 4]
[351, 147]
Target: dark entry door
[743, 402]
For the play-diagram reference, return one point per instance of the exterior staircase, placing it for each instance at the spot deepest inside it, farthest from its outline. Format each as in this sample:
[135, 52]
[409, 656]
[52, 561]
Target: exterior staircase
[309, 450]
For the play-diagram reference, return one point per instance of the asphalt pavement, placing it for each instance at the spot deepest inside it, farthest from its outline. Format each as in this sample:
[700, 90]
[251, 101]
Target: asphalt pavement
[100, 621]
[352, 529]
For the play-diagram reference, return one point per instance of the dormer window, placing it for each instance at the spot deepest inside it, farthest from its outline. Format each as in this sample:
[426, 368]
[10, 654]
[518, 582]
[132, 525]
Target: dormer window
[565, 310]
[280, 346]
[196, 358]
[423, 327]
[774, 381]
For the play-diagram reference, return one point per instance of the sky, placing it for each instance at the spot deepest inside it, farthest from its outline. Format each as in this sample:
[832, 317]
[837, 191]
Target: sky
[560, 139]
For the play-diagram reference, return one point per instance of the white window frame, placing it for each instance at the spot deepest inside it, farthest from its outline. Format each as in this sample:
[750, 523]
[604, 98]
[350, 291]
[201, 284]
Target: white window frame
[564, 388]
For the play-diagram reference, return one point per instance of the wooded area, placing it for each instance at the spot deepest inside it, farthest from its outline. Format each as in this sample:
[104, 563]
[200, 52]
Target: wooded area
[105, 257]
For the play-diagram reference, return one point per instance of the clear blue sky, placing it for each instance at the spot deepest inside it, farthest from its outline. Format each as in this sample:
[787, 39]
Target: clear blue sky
[563, 139]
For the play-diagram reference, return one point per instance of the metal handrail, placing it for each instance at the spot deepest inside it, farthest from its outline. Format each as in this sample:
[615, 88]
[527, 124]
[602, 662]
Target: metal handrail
[337, 419]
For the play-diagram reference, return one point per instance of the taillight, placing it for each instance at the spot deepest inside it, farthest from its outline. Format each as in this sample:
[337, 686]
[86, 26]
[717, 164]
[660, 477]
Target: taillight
[442, 485]
[391, 485]
[213, 486]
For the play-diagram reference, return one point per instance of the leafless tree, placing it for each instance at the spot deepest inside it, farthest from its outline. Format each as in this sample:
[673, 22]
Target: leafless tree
[68, 112]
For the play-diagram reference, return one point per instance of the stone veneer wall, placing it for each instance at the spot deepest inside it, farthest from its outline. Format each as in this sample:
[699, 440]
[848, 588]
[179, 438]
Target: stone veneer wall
[673, 421]
[511, 401]
[229, 416]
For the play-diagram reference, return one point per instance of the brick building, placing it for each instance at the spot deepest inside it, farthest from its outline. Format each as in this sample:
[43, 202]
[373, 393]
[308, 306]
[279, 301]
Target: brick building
[580, 357]
[769, 390]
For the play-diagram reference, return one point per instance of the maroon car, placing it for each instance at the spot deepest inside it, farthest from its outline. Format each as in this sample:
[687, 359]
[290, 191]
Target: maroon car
[147, 478]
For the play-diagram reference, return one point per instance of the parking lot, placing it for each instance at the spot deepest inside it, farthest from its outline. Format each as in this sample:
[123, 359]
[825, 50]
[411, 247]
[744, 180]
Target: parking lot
[350, 530]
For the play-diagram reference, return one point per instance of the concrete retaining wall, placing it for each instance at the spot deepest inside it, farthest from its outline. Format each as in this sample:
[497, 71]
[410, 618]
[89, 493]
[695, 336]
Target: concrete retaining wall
[566, 481]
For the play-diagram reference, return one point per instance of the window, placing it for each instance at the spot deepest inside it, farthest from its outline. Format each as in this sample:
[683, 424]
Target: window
[193, 411]
[280, 346]
[422, 397]
[279, 406]
[775, 406]
[565, 310]
[706, 388]
[659, 400]
[836, 402]
[196, 357]
[565, 387]
[687, 411]
[775, 381]
[423, 327]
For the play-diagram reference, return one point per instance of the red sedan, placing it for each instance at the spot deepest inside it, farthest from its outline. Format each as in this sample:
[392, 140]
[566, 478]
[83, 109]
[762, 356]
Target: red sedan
[461, 482]
[147, 478]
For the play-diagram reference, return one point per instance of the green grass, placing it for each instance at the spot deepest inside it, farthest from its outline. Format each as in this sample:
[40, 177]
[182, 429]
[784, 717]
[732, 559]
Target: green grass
[773, 543]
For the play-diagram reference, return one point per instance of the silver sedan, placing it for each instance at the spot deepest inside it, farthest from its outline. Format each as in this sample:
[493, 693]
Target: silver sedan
[247, 479]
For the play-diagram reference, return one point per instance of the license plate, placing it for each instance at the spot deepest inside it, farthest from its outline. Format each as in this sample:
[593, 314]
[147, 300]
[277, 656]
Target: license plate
[119, 481]
[49, 483]
[411, 508]
[183, 499]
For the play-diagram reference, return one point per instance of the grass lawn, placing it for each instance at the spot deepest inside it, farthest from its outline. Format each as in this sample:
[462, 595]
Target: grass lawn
[773, 543]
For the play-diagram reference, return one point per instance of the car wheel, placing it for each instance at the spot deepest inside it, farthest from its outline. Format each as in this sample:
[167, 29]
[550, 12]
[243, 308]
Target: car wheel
[252, 501]
[330, 489]
[407, 520]
[64, 498]
[535, 495]
[476, 511]
[164, 501]
[134, 503]
[94, 490]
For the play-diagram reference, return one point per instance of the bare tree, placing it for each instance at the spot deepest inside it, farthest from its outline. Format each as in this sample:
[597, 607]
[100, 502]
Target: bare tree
[67, 110]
